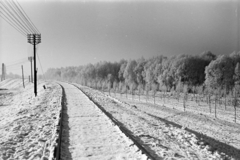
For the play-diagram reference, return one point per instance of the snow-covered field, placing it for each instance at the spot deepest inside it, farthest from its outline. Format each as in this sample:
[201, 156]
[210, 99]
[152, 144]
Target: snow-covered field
[221, 129]
[199, 107]
[166, 138]
[28, 124]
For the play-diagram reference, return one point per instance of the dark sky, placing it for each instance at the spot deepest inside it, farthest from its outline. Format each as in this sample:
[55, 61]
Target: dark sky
[79, 32]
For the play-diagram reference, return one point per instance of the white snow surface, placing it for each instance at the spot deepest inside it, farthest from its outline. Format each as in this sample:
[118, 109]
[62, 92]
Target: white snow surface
[163, 138]
[28, 124]
[28, 127]
[221, 132]
[89, 134]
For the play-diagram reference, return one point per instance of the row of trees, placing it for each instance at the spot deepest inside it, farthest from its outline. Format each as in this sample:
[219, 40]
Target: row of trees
[207, 74]
[161, 73]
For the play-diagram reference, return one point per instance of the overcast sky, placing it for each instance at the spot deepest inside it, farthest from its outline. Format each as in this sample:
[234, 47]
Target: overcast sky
[77, 32]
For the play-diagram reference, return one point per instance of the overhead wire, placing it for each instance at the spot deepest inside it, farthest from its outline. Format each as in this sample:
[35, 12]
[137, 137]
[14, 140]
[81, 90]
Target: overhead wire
[16, 66]
[19, 29]
[14, 17]
[15, 61]
[13, 7]
[22, 62]
[26, 17]
[12, 12]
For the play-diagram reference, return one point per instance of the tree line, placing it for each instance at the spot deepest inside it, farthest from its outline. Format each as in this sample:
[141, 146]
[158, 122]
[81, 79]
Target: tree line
[215, 77]
[206, 71]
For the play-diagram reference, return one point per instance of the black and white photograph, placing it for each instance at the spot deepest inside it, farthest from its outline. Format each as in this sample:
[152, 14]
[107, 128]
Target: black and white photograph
[120, 80]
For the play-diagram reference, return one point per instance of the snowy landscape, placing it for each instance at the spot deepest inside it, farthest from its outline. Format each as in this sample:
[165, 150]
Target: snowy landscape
[28, 126]
[120, 80]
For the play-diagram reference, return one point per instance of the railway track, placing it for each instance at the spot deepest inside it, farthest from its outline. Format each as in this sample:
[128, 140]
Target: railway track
[59, 141]
[124, 130]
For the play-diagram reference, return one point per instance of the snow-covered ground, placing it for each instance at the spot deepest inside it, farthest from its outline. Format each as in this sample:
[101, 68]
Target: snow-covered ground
[28, 124]
[89, 134]
[223, 130]
[199, 107]
[166, 138]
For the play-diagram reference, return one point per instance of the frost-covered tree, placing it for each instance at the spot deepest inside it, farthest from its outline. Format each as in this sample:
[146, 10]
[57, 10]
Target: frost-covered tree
[139, 68]
[123, 64]
[219, 76]
[191, 70]
[237, 74]
[235, 57]
[220, 73]
[129, 74]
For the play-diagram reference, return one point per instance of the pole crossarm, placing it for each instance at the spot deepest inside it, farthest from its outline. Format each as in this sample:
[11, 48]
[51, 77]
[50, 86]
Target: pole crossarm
[34, 39]
[30, 59]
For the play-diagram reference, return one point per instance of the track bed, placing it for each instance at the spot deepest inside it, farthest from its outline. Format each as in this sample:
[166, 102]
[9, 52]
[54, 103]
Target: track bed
[161, 138]
[87, 133]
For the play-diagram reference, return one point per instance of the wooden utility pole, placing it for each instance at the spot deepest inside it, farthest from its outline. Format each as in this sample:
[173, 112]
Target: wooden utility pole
[23, 77]
[3, 72]
[30, 59]
[34, 39]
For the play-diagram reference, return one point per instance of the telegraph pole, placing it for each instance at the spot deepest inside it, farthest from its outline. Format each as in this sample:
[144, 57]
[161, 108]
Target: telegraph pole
[34, 39]
[2, 72]
[30, 59]
[23, 77]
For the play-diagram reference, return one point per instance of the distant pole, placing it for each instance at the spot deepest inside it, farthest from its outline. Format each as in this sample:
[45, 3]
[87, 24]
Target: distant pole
[34, 39]
[30, 59]
[23, 77]
[2, 71]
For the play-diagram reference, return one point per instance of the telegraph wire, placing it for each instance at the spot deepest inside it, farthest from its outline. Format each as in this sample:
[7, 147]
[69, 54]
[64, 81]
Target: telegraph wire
[23, 17]
[16, 61]
[13, 25]
[18, 15]
[21, 25]
[13, 18]
[28, 19]
[22, 62]
[12, 12]
[14, 15]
